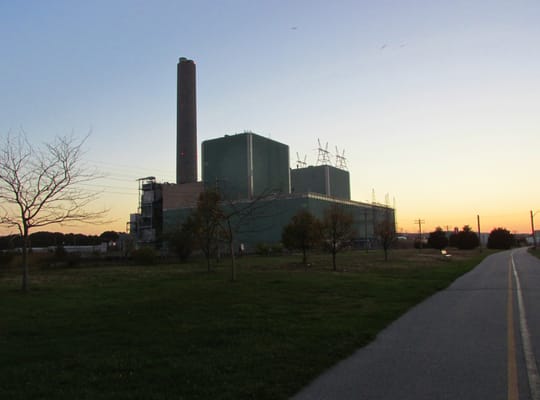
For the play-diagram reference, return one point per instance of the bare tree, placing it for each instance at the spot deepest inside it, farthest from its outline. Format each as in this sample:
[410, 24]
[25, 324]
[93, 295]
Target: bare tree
[208, 216]
[386, 231]
[41, 186]
[237, 215]
[337, 230]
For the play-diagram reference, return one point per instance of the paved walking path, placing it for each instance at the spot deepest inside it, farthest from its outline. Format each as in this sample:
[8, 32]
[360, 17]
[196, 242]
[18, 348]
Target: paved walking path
[465, 342]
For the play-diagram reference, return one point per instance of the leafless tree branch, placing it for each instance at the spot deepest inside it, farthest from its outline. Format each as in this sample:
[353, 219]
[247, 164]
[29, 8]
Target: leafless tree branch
[41, 186]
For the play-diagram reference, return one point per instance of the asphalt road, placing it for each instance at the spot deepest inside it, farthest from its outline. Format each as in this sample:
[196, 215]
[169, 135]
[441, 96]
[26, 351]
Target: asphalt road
[465, 342]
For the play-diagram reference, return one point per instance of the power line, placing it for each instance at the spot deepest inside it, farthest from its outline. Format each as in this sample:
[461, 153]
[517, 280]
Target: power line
[130, 167]
[134, 189]
[133, 172]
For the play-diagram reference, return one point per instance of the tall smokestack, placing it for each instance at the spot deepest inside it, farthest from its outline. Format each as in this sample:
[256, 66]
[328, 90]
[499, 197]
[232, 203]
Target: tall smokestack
[186, 123]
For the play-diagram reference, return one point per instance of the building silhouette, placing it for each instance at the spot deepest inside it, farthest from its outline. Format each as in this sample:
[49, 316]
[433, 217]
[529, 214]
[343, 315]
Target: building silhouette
[186, 123]
[245, 168]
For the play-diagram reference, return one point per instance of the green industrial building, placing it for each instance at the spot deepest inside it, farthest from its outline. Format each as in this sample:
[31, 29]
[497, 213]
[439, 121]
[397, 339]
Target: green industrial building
[250, 172]
[264, 223]
[322, 179]
[247, 168]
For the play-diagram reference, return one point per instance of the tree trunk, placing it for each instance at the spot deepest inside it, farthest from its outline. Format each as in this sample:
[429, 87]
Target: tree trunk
[231, 249]
[233, 261]
[218, 254]
[25, 261]
[334, 259]
[304, 257]
[208, 253]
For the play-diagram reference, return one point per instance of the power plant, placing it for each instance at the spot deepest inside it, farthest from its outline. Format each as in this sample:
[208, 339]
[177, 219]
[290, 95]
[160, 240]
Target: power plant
[244, 168]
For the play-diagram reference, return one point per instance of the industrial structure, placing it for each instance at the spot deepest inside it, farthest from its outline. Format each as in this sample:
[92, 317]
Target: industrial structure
[245, 166]
[323, 179]
[246, 169]
[186, 123]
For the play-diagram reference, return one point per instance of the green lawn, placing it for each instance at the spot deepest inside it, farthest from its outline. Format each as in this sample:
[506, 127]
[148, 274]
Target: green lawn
[178, 332]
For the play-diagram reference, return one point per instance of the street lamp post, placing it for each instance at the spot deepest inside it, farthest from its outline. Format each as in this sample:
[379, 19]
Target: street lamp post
[532, 228]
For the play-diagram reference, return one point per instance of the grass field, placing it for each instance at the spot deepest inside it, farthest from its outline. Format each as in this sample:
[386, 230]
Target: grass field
[178, 332]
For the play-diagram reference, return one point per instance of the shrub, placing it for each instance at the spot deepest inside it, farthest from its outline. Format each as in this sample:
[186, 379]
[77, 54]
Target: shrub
[277, 248]
[73, 259]
[262, 249]
[144, 256]
[465, 239]
[420, 243]
[182, 242]
[6, 258]
[500, 238]
[437, 239]
[266, 249]
[60, 252]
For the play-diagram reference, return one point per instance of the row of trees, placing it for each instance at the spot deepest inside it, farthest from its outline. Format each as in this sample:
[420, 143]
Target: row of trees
[47, 239]
[215, 221]
[333, 232]
[466, 239]
[45, 185]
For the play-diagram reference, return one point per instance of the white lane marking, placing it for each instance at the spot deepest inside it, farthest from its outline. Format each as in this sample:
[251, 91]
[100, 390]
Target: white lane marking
[513, 392]
[530, 359]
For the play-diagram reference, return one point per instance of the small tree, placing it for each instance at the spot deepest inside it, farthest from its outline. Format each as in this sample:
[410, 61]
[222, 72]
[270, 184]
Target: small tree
[437, 239]
[183, 239]
[109, 236]
[237, 216]
[466, 239]
[386, 231]
[42, 186]
[337, 230]
[302, 233]
[500, 238]
[453, 239]
[207, 218]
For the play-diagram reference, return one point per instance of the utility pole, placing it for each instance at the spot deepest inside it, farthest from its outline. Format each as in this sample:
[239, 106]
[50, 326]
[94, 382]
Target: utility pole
[479, 234]
[365, 231]
[420, 222]
[532, 228]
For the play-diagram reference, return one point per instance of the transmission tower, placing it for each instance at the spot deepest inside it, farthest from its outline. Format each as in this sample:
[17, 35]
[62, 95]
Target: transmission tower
[323, 157]
[299, 162]
[341, 161]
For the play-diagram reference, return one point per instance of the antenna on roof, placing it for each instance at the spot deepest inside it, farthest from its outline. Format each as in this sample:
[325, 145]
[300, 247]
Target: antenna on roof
[299, 162]
[323, 158]
[341, 161]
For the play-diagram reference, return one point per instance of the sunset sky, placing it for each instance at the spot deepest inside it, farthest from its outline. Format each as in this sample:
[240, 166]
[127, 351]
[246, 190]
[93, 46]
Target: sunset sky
[436, 103]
